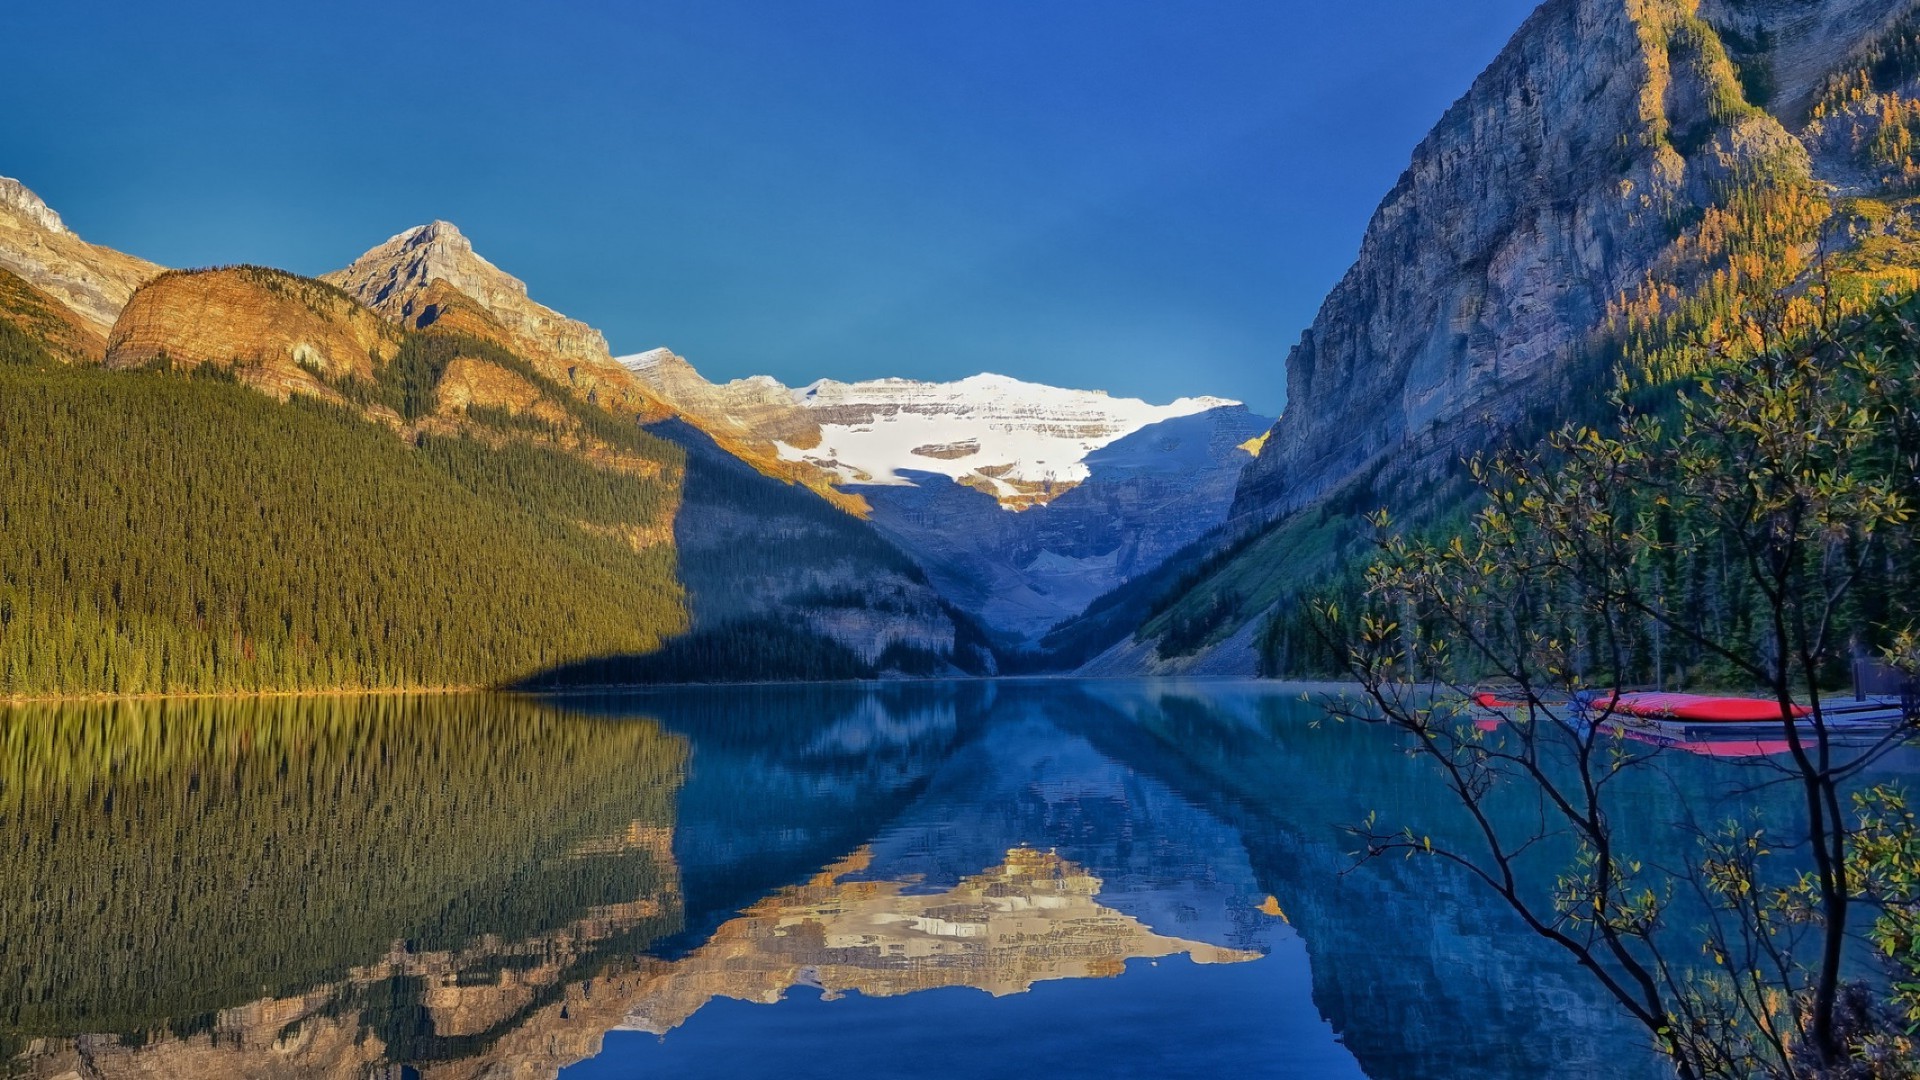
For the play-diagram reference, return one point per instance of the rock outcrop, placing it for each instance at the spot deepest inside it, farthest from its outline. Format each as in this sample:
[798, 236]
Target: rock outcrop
[277, 332]
[93, 281]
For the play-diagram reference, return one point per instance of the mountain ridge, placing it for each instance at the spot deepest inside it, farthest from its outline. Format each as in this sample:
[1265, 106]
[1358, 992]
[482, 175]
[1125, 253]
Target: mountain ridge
[1627, 180]
[94, 282]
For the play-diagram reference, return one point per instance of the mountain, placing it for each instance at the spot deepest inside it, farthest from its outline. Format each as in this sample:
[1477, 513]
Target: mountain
[1020, 502]
[770, 568]
[304, 492]
[1623, 181]
[92, 281]
[1021, 443]
[430, 275]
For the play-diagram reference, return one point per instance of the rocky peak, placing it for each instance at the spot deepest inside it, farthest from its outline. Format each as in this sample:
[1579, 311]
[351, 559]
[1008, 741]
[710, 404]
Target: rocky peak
[91, 281]
[17, 197]
[394, 278]
[416, 258]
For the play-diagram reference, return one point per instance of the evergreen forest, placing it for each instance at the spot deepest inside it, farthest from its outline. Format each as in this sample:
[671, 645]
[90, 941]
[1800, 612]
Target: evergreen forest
[183, 533]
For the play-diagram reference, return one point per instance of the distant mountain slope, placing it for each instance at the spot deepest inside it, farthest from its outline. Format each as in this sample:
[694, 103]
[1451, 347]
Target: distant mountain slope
[36, 320]
[1020, 502]
[1144, 497]
[1624, 181]
[1022, 443]
[92, 281]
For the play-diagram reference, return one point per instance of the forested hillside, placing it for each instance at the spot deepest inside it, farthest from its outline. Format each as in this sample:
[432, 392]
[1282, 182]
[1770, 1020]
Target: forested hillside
[268, 487]
[782, 584]
[183, 533]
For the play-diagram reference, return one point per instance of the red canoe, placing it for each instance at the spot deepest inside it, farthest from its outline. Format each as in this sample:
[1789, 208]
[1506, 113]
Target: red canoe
[1695, 707]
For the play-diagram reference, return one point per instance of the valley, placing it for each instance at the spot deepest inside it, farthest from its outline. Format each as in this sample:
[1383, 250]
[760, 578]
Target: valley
[1630, 195]
[876, 629]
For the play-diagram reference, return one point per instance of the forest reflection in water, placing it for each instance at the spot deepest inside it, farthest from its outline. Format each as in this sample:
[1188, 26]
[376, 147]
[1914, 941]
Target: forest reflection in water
[488, 885]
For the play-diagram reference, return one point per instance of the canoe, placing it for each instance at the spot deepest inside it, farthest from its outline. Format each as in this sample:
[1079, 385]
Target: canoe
[1488, 699]
[1698, 708]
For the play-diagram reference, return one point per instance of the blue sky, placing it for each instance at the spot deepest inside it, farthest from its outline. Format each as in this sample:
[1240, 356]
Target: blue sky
[1145, 197]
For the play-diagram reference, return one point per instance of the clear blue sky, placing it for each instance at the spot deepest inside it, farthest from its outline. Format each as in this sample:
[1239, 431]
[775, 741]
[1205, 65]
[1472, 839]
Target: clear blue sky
[1144, 196]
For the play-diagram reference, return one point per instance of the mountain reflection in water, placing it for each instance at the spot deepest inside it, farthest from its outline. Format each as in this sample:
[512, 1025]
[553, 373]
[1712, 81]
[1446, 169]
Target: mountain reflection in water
[488, 886]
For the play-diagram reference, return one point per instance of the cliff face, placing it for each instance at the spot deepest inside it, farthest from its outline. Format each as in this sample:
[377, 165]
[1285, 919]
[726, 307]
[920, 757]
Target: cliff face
[1587, 166]
[279, 333]
[93, 281]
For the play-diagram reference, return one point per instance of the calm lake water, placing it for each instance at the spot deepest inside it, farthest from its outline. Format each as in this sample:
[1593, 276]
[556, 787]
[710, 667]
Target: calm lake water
[1098, 878]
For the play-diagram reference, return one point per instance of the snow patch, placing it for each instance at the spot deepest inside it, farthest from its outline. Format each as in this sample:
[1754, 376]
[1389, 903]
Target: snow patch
[1039, 434]
[641, 363]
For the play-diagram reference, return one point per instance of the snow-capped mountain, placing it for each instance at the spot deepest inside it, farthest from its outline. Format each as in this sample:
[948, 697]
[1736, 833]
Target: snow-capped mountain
[1022, 502]
[1022, 443]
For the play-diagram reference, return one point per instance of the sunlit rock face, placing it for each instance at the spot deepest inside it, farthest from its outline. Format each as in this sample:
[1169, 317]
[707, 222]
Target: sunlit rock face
[1030, 919]
[279, 333]
[93, 281]
[1575, 166]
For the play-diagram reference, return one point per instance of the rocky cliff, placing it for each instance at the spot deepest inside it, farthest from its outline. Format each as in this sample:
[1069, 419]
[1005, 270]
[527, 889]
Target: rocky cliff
[1634, 190]
[277, 332]
[1603, 166]
[430, 275]
[93, 281]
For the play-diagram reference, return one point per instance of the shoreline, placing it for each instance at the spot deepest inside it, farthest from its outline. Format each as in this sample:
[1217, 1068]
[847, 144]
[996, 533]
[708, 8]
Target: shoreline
[1305, 685]
[238, 695]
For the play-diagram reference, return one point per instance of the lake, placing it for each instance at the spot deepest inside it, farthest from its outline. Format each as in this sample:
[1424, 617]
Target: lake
[1048, 877]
